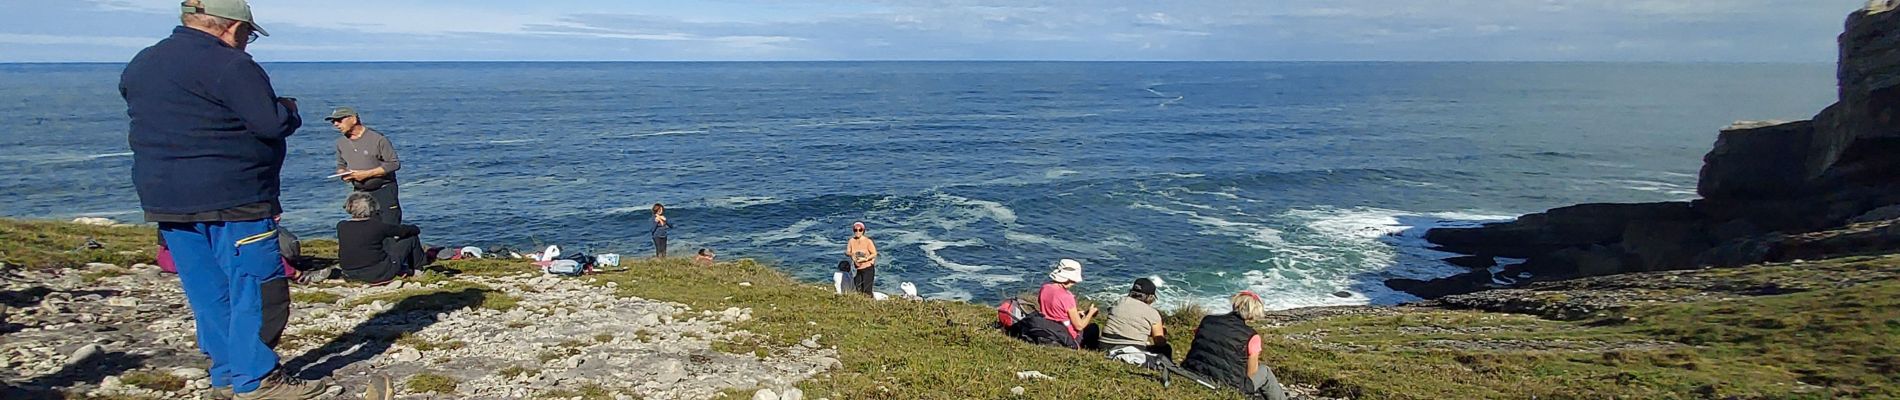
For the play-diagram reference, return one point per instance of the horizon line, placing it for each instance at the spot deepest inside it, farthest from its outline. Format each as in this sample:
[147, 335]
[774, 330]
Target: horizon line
[1687, 62]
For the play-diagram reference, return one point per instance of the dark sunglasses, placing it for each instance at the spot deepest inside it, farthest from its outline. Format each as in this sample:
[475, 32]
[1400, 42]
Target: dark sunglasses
[254, 35]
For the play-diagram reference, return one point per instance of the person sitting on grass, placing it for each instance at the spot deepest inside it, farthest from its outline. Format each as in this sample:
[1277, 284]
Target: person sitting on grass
[1132, 332]
[373, 251]
[1227, 350]
[704, 258]
[1057, 304]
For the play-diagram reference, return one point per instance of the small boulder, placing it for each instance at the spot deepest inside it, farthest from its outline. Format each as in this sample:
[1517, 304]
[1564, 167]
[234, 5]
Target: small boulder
[83, 353]
[792, 394]
[406, 354]
[1473, 262]
[1878, 214]
[188, 373]
[95, 221]
[765, 394]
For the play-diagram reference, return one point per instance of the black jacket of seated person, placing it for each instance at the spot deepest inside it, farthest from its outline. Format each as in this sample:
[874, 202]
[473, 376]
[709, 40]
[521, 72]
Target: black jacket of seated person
[370, 250]
[1219, 351]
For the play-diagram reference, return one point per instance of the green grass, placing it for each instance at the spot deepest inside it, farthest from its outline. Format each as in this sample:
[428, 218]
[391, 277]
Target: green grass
[153, 380]
[314, 297]
[587, 392]
[420, 343]
[487, 267]
[1836, 336]
[48, 244]
[452, 295]
[94, 275]
[891, 349]
[432, 383]
[1819, 344]
[514, 371]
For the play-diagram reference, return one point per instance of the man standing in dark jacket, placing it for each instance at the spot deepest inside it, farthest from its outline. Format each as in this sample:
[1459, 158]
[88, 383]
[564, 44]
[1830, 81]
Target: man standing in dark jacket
[207, 137]
[366, 159]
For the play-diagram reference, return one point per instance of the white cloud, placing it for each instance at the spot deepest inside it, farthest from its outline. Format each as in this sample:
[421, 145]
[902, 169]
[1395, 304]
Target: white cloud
[108, 41]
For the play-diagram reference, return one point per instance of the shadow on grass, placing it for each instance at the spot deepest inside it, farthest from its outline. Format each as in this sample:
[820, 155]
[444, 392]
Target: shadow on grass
[92, 369]
[378, 333]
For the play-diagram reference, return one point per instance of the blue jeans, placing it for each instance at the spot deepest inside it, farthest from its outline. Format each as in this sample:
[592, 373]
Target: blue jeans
[233, 278]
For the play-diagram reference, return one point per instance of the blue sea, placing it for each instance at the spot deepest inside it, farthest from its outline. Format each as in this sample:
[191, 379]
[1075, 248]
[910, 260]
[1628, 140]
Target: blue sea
[1309, 183]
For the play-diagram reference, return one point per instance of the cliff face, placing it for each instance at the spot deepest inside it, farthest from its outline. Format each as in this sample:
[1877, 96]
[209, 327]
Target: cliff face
[1772, 191]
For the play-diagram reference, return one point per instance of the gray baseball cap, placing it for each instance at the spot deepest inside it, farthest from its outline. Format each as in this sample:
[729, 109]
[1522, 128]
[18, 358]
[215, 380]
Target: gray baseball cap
[340, 113]
[238, 10]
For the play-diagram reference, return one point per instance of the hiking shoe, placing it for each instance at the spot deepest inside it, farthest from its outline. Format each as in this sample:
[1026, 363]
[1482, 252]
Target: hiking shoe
[218, 393]
[310, 277]
[278, 386]
[379, 388]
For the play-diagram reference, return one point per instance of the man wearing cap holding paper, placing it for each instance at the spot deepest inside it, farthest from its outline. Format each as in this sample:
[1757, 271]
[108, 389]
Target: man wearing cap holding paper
[207, 136]
[366, 159]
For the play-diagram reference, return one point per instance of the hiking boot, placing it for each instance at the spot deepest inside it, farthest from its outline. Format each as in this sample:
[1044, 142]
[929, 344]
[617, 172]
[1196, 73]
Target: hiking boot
[218, 393]
[312, 277]
[379, 388]
[278, 386]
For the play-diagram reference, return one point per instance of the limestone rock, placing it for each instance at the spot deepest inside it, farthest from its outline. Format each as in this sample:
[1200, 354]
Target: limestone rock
[1560, 228]
[83, 353]
[792, 394]
[669, 372]
[406, 354]
[94, 221]
[1760, 160]
[765, 394]
[1878, 214]
[188, 373]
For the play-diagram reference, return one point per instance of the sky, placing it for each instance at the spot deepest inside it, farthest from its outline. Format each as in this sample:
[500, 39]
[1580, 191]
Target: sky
[1107, 30]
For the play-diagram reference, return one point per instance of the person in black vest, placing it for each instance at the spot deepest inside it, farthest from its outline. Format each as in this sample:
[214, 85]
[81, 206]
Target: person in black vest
[373, 251]
[1226, 350]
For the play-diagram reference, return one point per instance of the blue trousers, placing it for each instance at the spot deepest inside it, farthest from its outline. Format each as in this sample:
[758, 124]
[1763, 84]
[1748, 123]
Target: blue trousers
[239, 296]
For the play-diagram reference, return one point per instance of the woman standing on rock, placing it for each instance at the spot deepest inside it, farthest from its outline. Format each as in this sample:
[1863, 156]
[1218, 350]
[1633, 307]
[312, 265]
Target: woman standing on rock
[660, 225]
[863, 254]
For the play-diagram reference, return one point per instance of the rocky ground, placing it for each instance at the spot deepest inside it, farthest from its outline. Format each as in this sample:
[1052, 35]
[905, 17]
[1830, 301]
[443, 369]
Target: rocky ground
[107, 331]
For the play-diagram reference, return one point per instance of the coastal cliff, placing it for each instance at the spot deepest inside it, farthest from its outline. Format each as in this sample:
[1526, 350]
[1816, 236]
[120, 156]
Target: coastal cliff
[1771, 191]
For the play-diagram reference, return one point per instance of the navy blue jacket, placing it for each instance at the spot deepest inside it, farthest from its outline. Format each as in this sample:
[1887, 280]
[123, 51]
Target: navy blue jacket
[207, 131]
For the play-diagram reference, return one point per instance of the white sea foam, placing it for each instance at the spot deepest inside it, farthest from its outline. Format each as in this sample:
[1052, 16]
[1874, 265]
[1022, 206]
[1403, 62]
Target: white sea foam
[1348, 251]
[737, 202]
[797, 233]
[57, 159]
[845, 122]
[1679, 191]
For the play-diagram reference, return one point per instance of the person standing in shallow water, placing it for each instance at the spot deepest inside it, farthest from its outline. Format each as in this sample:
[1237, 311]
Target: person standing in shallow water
[660, 226]
[366, 159]
[863, 254]
[208, 138]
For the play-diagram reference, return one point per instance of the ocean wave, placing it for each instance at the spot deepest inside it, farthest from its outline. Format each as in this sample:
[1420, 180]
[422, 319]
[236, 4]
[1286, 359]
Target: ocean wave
[513, 141]
[1352, 252]
[654, 134]
[738, 202]
[75, 158]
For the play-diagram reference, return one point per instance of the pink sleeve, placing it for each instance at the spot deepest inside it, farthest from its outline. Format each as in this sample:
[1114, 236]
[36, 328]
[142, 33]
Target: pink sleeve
[1253, 346]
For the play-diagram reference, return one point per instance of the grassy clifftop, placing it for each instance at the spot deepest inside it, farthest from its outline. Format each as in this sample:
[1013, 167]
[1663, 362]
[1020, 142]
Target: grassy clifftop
[1819, 340]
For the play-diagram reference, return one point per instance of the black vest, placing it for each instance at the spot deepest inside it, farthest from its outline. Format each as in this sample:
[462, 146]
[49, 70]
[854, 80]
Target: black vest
[1219, 351]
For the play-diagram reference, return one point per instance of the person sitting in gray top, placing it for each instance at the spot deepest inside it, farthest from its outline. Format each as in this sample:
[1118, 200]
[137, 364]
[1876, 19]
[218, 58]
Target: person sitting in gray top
[366, 159]
[1133, 331]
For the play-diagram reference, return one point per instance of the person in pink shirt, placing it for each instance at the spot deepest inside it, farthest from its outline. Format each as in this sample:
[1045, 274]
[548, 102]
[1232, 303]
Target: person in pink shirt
[1056, 303]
